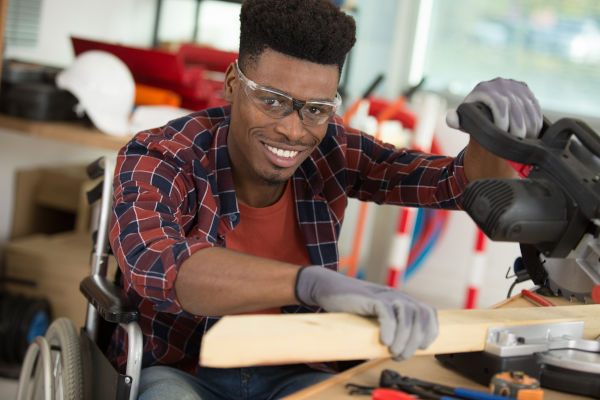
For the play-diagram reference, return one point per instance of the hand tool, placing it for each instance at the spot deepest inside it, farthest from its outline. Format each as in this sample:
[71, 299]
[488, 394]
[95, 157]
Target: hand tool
[536, 298]
[430, 390]
[379, 393]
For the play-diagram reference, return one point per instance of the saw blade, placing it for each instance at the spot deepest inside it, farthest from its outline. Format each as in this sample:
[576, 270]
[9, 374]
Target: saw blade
[567, 278]
[566, 293]
[578, 274]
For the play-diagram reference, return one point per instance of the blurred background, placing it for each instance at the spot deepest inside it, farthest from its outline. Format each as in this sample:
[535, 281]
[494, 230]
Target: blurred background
[439, 48]
[413, 59]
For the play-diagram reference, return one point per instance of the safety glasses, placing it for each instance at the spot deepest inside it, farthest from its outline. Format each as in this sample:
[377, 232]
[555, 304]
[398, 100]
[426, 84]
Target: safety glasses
[278, 104]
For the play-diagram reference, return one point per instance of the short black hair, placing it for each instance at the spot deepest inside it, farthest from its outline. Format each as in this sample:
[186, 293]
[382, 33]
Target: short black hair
[312, 30]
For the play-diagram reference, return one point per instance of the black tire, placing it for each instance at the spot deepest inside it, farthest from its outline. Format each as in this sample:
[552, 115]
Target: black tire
[64, 343]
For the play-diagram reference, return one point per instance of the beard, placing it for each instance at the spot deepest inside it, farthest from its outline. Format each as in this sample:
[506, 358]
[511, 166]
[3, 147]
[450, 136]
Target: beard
[276, 179]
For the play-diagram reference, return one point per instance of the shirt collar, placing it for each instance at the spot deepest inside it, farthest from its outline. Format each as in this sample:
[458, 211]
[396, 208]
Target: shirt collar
[221, 165]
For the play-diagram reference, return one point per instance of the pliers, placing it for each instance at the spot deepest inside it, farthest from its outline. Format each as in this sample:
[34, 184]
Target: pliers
[430, 390]
[379, 393]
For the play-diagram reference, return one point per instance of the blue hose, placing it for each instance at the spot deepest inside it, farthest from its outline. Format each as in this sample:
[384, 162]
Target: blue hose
[38, 326]
[424, 217]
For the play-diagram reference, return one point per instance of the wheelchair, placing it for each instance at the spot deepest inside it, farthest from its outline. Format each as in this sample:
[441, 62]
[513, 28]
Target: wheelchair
[65, 364]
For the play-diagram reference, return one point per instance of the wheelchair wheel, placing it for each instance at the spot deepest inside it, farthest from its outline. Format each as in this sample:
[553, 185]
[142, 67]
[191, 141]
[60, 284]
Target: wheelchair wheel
[63, 339]
[53, 364]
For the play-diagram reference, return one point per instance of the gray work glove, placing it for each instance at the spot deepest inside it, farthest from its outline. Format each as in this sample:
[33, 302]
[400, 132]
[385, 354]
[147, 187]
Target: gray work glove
[514, 107]
[405, 324]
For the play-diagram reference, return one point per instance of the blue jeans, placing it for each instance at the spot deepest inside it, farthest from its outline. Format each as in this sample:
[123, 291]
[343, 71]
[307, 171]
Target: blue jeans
[272, 382]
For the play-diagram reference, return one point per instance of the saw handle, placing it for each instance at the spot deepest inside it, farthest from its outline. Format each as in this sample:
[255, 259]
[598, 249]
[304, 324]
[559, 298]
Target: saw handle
[476, 119]
[572, 166]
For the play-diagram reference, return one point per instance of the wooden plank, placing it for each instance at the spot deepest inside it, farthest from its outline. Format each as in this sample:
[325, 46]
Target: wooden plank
[246, 340]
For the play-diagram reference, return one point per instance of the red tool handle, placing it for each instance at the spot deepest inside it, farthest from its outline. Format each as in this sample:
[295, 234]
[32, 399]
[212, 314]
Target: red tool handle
[391, 394]
[536, 298]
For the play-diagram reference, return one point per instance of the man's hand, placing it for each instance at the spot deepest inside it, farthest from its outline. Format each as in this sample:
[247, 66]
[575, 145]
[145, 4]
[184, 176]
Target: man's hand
[514, 107]
[405, 324]
[515, 110]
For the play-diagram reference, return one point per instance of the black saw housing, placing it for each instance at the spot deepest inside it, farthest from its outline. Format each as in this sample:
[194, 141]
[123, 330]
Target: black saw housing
[550, 210]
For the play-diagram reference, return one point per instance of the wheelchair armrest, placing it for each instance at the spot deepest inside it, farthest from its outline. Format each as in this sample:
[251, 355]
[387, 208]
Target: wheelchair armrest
[106, 297]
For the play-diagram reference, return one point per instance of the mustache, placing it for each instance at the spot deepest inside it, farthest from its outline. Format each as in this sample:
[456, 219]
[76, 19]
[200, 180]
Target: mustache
[287, 143]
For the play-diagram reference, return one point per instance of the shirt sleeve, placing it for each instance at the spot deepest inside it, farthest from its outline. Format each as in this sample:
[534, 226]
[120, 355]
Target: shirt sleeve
[379, 172]
[153, 229]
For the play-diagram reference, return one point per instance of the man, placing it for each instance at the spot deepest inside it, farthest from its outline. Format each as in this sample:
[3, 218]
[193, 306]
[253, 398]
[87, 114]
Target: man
[239, 209]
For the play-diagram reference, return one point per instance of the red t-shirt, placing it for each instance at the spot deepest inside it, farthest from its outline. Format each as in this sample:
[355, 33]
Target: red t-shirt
[270, 232]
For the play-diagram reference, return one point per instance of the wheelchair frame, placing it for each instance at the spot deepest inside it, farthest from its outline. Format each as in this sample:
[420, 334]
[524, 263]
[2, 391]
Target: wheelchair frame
[64, 365]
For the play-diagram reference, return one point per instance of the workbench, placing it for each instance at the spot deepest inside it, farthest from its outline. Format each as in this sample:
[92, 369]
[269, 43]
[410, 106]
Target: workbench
[420, 367]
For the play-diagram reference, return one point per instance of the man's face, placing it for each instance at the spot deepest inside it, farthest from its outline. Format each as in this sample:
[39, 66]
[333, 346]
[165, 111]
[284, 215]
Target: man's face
[267, 150]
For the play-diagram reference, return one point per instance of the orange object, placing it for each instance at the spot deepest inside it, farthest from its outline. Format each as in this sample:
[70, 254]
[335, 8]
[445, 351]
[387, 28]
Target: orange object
[351, 111]
[516, 384]
[152, 96]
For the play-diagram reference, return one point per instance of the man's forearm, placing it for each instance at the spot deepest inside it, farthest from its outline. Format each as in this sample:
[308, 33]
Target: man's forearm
[480, 163]
[218, 281]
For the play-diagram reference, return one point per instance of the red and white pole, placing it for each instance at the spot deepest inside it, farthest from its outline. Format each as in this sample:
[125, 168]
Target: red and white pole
[422, 140]
[477, 271]
[401, 246]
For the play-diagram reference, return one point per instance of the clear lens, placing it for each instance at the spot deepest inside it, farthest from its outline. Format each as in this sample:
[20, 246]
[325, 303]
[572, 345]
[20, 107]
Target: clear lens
[271, 103]
[278, 105]
[317, 113]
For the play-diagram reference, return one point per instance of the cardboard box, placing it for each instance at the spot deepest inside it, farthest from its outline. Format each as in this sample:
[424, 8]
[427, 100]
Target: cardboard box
[50, 200]
[52, 266]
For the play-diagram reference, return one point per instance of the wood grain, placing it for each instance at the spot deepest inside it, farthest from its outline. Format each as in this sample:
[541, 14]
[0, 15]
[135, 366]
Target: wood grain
[247, 340]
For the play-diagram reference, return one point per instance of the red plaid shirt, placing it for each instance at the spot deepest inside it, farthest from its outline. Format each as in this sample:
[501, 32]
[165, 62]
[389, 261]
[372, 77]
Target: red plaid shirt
[174, 195]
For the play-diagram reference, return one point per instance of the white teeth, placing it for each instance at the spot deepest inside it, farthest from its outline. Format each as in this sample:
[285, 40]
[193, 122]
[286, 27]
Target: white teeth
[282, 153]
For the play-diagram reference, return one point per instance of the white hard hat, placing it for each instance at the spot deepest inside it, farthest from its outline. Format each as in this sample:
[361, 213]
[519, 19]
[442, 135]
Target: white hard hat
[147, 117]
[104, 87]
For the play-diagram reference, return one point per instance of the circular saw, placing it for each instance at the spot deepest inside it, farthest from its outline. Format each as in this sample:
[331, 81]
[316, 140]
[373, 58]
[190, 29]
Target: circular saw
[554, 212]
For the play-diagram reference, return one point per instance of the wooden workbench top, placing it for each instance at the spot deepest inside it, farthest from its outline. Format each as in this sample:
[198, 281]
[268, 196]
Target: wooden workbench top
[425, 367]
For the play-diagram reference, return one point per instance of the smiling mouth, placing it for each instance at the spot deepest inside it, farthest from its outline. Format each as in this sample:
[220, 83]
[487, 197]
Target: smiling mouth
[281, 152]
